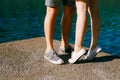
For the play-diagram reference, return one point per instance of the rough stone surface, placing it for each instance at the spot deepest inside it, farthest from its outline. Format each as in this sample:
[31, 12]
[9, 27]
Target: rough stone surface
[23, 60]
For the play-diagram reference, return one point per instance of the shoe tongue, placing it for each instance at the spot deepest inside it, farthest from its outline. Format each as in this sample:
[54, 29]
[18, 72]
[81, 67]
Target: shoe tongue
[51, 52]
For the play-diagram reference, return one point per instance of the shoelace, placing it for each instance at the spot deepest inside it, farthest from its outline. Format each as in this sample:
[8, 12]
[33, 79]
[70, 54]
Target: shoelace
[55, 57]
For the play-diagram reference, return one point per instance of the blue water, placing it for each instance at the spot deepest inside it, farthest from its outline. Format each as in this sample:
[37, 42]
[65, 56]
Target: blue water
[23, 19]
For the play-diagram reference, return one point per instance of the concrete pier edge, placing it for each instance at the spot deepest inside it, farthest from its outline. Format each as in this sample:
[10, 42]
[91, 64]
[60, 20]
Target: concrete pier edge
[23, 60]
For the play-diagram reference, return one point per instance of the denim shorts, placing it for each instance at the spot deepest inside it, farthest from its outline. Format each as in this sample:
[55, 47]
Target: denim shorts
[55, 3]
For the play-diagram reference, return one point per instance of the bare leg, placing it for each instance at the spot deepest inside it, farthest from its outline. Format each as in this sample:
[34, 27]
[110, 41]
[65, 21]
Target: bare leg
[66, 23]
[81, 28]
[95, 29]
[80, 24]
[95, 22]
[49, 26]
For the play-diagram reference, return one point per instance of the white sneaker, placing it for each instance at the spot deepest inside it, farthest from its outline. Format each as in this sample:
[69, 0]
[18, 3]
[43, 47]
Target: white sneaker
[92, 53]
[76, 55]
[52, 57]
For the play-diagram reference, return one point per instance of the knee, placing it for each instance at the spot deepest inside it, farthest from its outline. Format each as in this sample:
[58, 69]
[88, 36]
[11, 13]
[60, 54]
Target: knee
[81, 8]
[52, 12]
[69, 12]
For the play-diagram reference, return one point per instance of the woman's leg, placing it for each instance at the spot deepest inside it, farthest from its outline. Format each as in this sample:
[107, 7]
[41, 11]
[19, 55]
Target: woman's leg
[95, 29]
[95, 22]
[80, 24]
[81, 28]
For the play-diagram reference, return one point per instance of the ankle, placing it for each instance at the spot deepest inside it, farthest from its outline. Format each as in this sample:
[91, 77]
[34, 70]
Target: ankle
[64, 45]
[77, 49]
[93, 46]
[50, 49]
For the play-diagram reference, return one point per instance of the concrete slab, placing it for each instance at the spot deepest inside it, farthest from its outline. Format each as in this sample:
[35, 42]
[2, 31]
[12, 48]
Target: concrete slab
[23, 60]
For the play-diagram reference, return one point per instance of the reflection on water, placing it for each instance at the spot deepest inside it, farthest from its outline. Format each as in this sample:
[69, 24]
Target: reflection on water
[22, 19]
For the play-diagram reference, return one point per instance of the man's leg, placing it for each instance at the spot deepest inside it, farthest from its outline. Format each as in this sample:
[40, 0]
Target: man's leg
[66, 23]
[49, 26]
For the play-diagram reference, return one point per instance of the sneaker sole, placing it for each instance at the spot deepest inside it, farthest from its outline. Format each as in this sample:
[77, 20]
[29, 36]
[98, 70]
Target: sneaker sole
[54, 62]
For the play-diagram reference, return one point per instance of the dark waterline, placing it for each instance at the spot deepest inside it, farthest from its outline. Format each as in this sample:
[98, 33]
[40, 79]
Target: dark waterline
[23, 19]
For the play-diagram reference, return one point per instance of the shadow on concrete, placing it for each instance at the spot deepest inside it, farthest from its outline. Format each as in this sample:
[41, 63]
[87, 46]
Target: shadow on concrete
[99, 59]
[65, 58]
